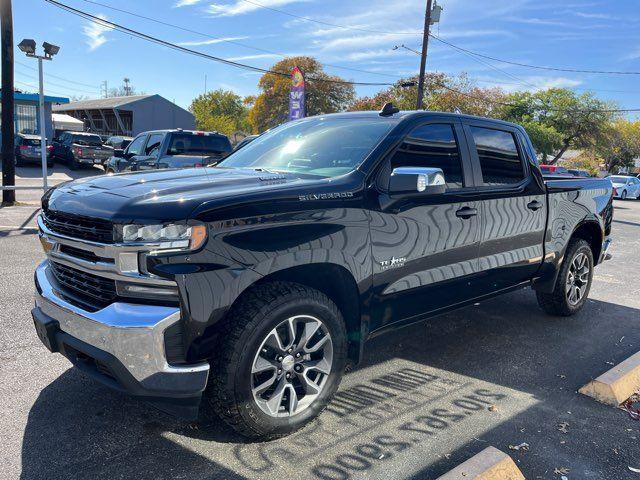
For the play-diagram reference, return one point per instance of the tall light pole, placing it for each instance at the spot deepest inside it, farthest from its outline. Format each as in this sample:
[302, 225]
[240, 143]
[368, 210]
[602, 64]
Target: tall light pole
[8, 139]
[432, 15]
[28, 46]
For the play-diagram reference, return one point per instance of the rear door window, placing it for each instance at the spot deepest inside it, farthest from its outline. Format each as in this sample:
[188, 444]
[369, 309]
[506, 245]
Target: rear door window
[432, 146]
[500, 160]
[194, 144]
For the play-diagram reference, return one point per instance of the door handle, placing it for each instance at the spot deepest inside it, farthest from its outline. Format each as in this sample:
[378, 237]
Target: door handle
[535, 205]
[466, 212]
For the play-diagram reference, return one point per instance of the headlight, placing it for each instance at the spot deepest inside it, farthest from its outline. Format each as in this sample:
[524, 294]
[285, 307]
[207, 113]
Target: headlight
[170, 236]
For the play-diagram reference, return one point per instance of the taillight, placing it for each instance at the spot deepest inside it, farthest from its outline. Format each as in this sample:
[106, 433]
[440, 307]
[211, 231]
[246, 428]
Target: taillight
[199, 165]
[615, 191]
[78, 151]
[24, 148]
[49, 148]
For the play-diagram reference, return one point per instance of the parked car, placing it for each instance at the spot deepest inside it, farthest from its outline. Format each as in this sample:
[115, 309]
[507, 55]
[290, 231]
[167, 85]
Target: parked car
[554, 170]
[77, 149]
[28, 149]
[170, 149]
[245, 141]
[579, 173]
[260, 278]
[626, 186]
[118, 142]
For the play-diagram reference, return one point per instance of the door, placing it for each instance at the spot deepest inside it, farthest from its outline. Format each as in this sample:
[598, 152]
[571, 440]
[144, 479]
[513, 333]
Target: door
[425, 247]
[512, 201]
[148, 158]
[132, 153]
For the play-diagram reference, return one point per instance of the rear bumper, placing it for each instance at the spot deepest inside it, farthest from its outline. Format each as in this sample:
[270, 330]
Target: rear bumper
[121, 345]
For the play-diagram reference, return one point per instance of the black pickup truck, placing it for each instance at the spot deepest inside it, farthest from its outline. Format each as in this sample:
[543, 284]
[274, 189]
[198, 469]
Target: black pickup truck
[259, 279]
[169, 149]
[78, 148]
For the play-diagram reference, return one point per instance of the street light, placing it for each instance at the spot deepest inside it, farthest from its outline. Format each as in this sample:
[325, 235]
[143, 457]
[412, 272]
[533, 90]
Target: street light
[28, 46]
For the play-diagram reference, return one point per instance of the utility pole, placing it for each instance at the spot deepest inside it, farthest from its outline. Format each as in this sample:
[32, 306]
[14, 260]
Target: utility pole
[8, 138]
[431, 16]
[127, 88]
[104, 89]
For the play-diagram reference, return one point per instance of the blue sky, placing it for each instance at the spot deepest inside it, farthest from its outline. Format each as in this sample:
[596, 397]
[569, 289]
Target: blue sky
[579, 34]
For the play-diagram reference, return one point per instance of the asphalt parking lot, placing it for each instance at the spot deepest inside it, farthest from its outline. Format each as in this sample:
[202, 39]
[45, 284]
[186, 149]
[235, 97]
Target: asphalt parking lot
[427, 398]
[31, 176]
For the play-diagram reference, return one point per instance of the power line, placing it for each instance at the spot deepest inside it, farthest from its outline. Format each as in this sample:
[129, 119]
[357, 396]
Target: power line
[158, 41]
[55, 76]
[526, 65]
[436, 37]
[225, 40]
[49, 82]
[144, 36]
[513, 77]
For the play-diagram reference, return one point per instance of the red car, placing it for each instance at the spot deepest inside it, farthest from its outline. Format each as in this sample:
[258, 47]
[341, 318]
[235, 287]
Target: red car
[554, 170]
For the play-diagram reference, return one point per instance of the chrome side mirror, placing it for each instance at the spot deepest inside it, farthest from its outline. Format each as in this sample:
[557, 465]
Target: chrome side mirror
[417, 181]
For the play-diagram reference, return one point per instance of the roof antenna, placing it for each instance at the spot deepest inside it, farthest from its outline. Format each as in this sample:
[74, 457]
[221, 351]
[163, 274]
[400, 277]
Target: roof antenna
[388, 110]
[457, 110]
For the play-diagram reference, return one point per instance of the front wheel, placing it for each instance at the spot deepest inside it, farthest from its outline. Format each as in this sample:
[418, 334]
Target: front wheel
[573, 284]
[280, 361]
[623, 195]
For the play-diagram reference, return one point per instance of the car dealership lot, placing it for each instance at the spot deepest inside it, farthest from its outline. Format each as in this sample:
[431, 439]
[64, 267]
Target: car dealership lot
[499, 373]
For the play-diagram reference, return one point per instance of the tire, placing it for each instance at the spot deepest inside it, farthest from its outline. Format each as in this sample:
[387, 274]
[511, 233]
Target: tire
[623, 195]
[247, 338]
[73, 163]
[19, 161]
[562, 302]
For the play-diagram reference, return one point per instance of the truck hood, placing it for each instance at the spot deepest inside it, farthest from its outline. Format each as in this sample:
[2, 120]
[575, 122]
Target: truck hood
[160, 195]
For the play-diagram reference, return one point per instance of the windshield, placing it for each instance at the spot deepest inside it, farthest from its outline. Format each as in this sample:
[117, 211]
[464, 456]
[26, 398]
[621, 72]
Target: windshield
[88, 140]
[325, 147]
[618, 179]
[194, 144]
[31, 142]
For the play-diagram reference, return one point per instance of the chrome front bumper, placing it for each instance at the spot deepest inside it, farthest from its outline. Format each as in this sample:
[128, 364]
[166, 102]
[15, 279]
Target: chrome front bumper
[132, 334]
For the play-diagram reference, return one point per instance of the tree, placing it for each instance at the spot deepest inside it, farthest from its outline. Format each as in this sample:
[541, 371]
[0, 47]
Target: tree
[442, 93]
[575, 121]
[324, 93]
[619, 145]
[221, 111]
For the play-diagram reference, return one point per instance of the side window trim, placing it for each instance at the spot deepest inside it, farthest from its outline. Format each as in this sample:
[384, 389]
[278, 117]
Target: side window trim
[475, 159]
[463, 150]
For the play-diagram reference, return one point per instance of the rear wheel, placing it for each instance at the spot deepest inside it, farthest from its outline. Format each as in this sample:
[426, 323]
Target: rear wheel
[73, 163]
[573, 284]
[623, 195]
[281, 360]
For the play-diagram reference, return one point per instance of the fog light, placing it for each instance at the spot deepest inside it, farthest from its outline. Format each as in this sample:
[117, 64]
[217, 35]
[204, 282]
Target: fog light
[137, 290]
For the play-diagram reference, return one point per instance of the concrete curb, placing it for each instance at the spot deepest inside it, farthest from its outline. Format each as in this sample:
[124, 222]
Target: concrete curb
[489, 464]
[616, 385]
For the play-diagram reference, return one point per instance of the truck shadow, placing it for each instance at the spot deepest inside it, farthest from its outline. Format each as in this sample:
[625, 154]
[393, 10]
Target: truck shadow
[78, 429]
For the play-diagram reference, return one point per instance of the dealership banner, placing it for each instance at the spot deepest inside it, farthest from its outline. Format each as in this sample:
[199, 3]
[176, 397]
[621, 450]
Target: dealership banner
[296, 97]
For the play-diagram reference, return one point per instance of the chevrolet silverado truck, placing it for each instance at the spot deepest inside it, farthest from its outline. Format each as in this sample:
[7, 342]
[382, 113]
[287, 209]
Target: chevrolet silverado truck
[247, 287]
[169, 149]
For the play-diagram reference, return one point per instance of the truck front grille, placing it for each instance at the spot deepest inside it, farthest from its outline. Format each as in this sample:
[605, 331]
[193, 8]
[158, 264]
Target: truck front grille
[92, 229]
[84, 288]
